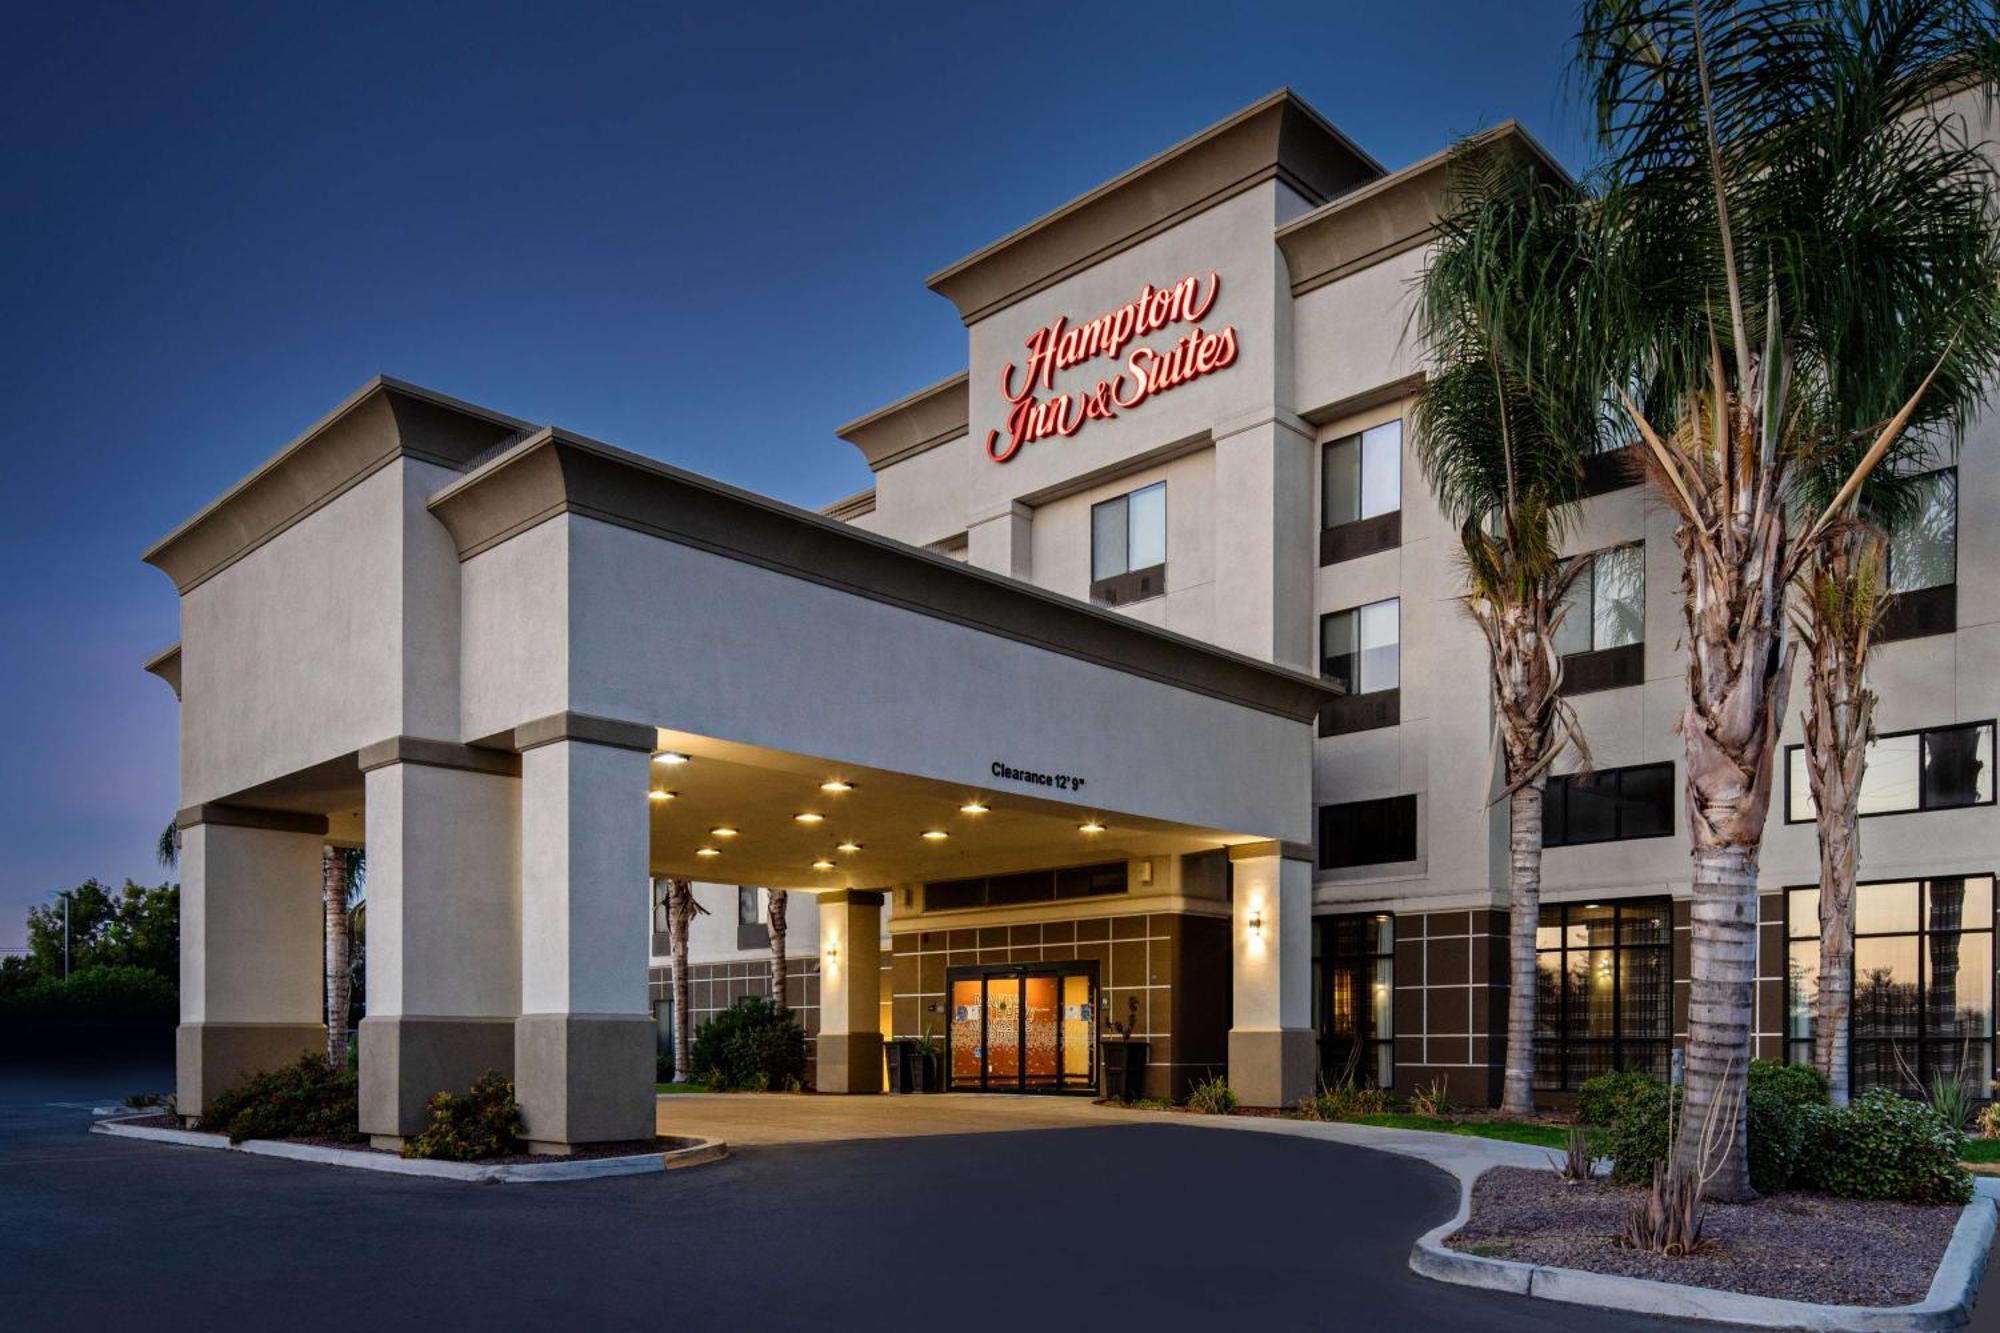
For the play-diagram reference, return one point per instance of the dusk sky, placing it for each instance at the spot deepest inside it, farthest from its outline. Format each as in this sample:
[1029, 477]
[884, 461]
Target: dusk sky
[700, 233]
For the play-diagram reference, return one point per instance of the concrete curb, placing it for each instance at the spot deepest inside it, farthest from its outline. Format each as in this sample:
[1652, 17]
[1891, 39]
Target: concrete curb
[694, 1153]
[1947, 1305]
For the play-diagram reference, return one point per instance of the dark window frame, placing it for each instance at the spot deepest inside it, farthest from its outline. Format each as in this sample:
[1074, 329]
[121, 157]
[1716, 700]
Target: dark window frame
[1353, 538]
[1025, 888]
[1594, 556]
[1555, 827]
[1359, 1056]
[1565, 1047]
[1800, 1050]
[1130, 584]
[1380, 804]
[1371, 709]
[1921, 807]
[754, 933]
[1918, 613]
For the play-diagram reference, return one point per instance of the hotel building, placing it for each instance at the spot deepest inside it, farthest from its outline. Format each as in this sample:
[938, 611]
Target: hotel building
[1135, 692]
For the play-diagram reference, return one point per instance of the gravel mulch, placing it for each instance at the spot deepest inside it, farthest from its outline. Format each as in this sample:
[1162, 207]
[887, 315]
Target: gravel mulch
[1801, 1247]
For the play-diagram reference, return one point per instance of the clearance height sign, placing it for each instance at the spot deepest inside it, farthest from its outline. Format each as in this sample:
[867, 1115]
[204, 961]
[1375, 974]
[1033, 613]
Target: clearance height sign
[1038, 411]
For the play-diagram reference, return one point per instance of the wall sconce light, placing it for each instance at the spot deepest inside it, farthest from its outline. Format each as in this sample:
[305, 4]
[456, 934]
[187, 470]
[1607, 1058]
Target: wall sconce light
[833, 952]
[1256, 922]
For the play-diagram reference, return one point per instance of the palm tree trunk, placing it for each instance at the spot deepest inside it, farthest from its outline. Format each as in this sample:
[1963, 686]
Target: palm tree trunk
[1720, 996]
[333, 866]
[1839, 852]
[1524, 902]
[775, 911]
[680, 917]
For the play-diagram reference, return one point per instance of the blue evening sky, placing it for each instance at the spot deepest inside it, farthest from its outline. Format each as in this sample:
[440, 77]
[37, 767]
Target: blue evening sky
[699, 232]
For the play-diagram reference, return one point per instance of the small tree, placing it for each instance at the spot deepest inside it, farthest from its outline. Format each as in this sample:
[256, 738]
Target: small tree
[775, 912]
[682, 909]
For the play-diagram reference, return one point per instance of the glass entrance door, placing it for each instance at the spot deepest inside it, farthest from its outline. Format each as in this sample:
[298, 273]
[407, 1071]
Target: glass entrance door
[1025, 1028]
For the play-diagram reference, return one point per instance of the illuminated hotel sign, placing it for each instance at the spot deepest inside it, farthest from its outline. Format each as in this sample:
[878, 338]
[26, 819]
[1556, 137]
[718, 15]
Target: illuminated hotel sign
[1037, 411]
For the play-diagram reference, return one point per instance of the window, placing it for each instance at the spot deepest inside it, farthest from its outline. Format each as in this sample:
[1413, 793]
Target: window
[1354, 989]
[1923, 982]
[1609, 805]
[749, 907]
[1367, 833]
[1607, 603]
[1940, 768]
[1128, 546]
[1033, 886]
[1604, 990]
[1361, 651]
[1923, 549]
[1361, 493]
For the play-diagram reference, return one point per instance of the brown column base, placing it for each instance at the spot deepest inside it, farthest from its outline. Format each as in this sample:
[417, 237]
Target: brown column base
[214, 1057]
[1271, 1066]
[407, 1058]
[848, 1062]
[584, 1078]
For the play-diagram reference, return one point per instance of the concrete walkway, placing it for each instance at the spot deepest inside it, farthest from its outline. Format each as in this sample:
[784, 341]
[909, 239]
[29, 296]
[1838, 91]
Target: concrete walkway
[743, 1119]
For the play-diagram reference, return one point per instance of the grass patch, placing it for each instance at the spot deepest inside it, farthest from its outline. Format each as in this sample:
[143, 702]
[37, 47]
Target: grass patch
[679, 1087]
[1510, 1131]
[1981, 1150]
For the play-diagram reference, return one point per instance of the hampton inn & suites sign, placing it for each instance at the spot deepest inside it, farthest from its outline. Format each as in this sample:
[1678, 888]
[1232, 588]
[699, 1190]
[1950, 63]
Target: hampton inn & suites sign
[1037, 410]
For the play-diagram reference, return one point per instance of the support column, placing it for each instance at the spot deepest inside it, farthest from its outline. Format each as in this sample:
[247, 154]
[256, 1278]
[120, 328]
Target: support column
[251, 938]
[444, 939]
[1265, 542]
[1271, 1048]
[583, 1045]
[850, 992]
[1002, 541]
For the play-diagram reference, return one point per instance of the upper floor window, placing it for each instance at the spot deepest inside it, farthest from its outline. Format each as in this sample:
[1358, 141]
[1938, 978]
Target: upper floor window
[1609, 805]
[1361, 493]
[1128, 546]
[749, 906]
[1366, 833]
[1603, 629]
[1361, 651]
[1940, 768]
[1922, 571]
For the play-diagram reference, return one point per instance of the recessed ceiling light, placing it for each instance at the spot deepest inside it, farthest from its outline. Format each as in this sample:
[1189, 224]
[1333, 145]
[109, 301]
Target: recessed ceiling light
[808, 817]
[706, 851]
[822, 864]
[935, 835]
[848, 847]
[670, 757]
[836, 785]
[973, 808]
[656, 794]
[1090, 826]
[722, 831]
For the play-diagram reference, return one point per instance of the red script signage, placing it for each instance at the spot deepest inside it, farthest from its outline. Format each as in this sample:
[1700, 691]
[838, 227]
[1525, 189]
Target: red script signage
[1143, 372]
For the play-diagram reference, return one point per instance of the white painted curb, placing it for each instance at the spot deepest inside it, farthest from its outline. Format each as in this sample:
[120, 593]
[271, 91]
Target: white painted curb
[515, 1173]
[1947, 1305]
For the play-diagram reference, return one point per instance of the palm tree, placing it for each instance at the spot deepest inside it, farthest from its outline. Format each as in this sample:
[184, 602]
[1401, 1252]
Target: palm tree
[1503, 424]
[682, 909]
[169, 847]
[775, 914]
[1747, 173]
[341, 871]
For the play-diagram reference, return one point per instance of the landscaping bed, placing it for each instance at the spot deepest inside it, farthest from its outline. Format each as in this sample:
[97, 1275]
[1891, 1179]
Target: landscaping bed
[1793, 1246]
[587, 1153]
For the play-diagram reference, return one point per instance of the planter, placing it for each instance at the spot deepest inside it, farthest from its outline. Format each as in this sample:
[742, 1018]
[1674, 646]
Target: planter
[901, 1055]
[926, 1071]
[1121, 1068]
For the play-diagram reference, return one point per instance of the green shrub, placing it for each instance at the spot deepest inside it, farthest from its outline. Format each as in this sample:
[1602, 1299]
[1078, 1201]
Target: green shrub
[1213, 1097]
[468, 1126]
[306, 1100]
[1797, 1085]
[1637, 1136]
[1782, 1133]
[663, 1067]
[751, 1046]
[1598, 1100]
[1342, 1101]
[1884, 1147]
[110, 990]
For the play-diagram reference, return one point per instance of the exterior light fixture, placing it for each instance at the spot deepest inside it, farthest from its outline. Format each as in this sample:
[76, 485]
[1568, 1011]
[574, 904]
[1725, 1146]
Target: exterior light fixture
[848, 847]
[836, 786]
[722, 831]
[1256, 922]
[822, 864]
[808, 817]
[659, 796]
[1090, 826]
[833, 952]
[935, 835]
[973, 807]
[706, 851]
[670, 757]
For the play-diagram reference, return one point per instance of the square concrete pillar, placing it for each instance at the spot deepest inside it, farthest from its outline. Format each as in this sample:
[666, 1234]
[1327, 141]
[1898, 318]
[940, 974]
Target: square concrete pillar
[583, 1045]
[1003, 541]
[444, 933]
[850, 992]
[1272, 1053]
[1266, 478]
[252, 933]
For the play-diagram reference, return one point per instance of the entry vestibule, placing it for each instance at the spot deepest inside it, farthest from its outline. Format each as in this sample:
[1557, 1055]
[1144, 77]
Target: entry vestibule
[541, 623]
[1023, 1029]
